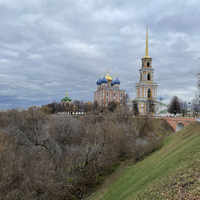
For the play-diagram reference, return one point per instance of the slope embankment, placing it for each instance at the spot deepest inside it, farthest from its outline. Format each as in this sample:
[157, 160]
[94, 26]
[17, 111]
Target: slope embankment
[172, 172]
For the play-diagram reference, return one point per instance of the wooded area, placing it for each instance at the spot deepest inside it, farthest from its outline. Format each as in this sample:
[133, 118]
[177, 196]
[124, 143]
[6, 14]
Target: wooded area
[61, 157]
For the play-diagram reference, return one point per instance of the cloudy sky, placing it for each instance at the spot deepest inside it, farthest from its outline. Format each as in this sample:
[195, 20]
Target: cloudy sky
[48, 48]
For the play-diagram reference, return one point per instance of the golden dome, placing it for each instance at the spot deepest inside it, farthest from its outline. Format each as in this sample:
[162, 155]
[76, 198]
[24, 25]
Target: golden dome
[66, 93]
[108, 77]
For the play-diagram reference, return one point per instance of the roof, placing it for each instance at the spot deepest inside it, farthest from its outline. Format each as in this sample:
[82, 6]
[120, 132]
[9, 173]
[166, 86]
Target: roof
[117, 81]
[162, 104]
[104, 80]
[99, 81]
[164, 111]
[108, 77]
[66, 99]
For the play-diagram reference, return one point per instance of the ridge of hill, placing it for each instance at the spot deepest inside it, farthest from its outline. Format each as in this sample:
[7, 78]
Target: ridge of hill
[172, 172]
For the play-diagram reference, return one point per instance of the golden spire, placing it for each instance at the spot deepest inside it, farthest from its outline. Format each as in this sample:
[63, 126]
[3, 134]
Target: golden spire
[146, 50]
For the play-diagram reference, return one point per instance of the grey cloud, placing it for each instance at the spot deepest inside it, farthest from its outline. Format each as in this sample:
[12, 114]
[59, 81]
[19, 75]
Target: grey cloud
[48, 48]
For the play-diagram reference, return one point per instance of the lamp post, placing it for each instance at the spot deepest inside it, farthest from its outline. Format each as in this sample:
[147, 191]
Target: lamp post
[189, 108]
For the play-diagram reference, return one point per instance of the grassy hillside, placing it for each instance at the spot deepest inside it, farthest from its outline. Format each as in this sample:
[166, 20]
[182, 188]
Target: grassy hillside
[171, 172]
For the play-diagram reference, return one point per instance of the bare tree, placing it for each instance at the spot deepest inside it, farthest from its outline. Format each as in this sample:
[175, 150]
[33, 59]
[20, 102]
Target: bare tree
[135, 108]
[53, 107]
[96, 107]
[196, 105]
[79, 105]
[46, 109]
[126, 99]
[112, 105]
[87, 107]
[122, 114]
[150, 105]
[29, 127]
[183, 107]
[65, 131]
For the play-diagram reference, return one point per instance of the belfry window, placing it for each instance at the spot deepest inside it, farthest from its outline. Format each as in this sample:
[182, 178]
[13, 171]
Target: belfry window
[148, 76]
[140, 76]
[149, 93]
[148, 64]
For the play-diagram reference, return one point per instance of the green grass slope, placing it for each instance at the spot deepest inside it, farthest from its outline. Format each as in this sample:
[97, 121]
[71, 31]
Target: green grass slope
[157, 175]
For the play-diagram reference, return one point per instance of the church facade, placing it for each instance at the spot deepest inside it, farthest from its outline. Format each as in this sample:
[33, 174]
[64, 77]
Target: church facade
[108, 90]
[146, 89]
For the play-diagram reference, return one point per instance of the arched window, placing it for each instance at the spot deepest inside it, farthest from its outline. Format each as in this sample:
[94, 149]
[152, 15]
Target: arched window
[149, 93]
[148, 76]
[142, 63]
[140, 76]
[147, 63]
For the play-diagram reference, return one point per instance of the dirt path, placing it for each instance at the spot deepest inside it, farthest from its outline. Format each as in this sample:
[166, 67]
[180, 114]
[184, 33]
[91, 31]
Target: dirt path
[110, 179]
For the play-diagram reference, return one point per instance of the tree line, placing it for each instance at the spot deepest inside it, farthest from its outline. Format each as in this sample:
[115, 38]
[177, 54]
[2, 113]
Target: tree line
[87, 107]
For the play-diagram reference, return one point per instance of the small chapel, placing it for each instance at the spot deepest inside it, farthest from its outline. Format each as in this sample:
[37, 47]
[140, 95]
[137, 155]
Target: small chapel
[146, 89]
[108, 90]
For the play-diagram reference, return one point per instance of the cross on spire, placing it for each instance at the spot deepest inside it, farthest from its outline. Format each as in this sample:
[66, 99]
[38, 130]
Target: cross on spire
[117, 74]
[108, 70]
[100, 75]
[104, 73]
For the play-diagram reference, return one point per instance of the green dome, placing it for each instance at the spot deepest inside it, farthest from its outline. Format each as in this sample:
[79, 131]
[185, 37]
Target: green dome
[66, 99]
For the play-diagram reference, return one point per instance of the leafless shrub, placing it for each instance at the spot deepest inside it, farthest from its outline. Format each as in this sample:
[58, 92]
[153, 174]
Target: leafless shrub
[29, 127]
